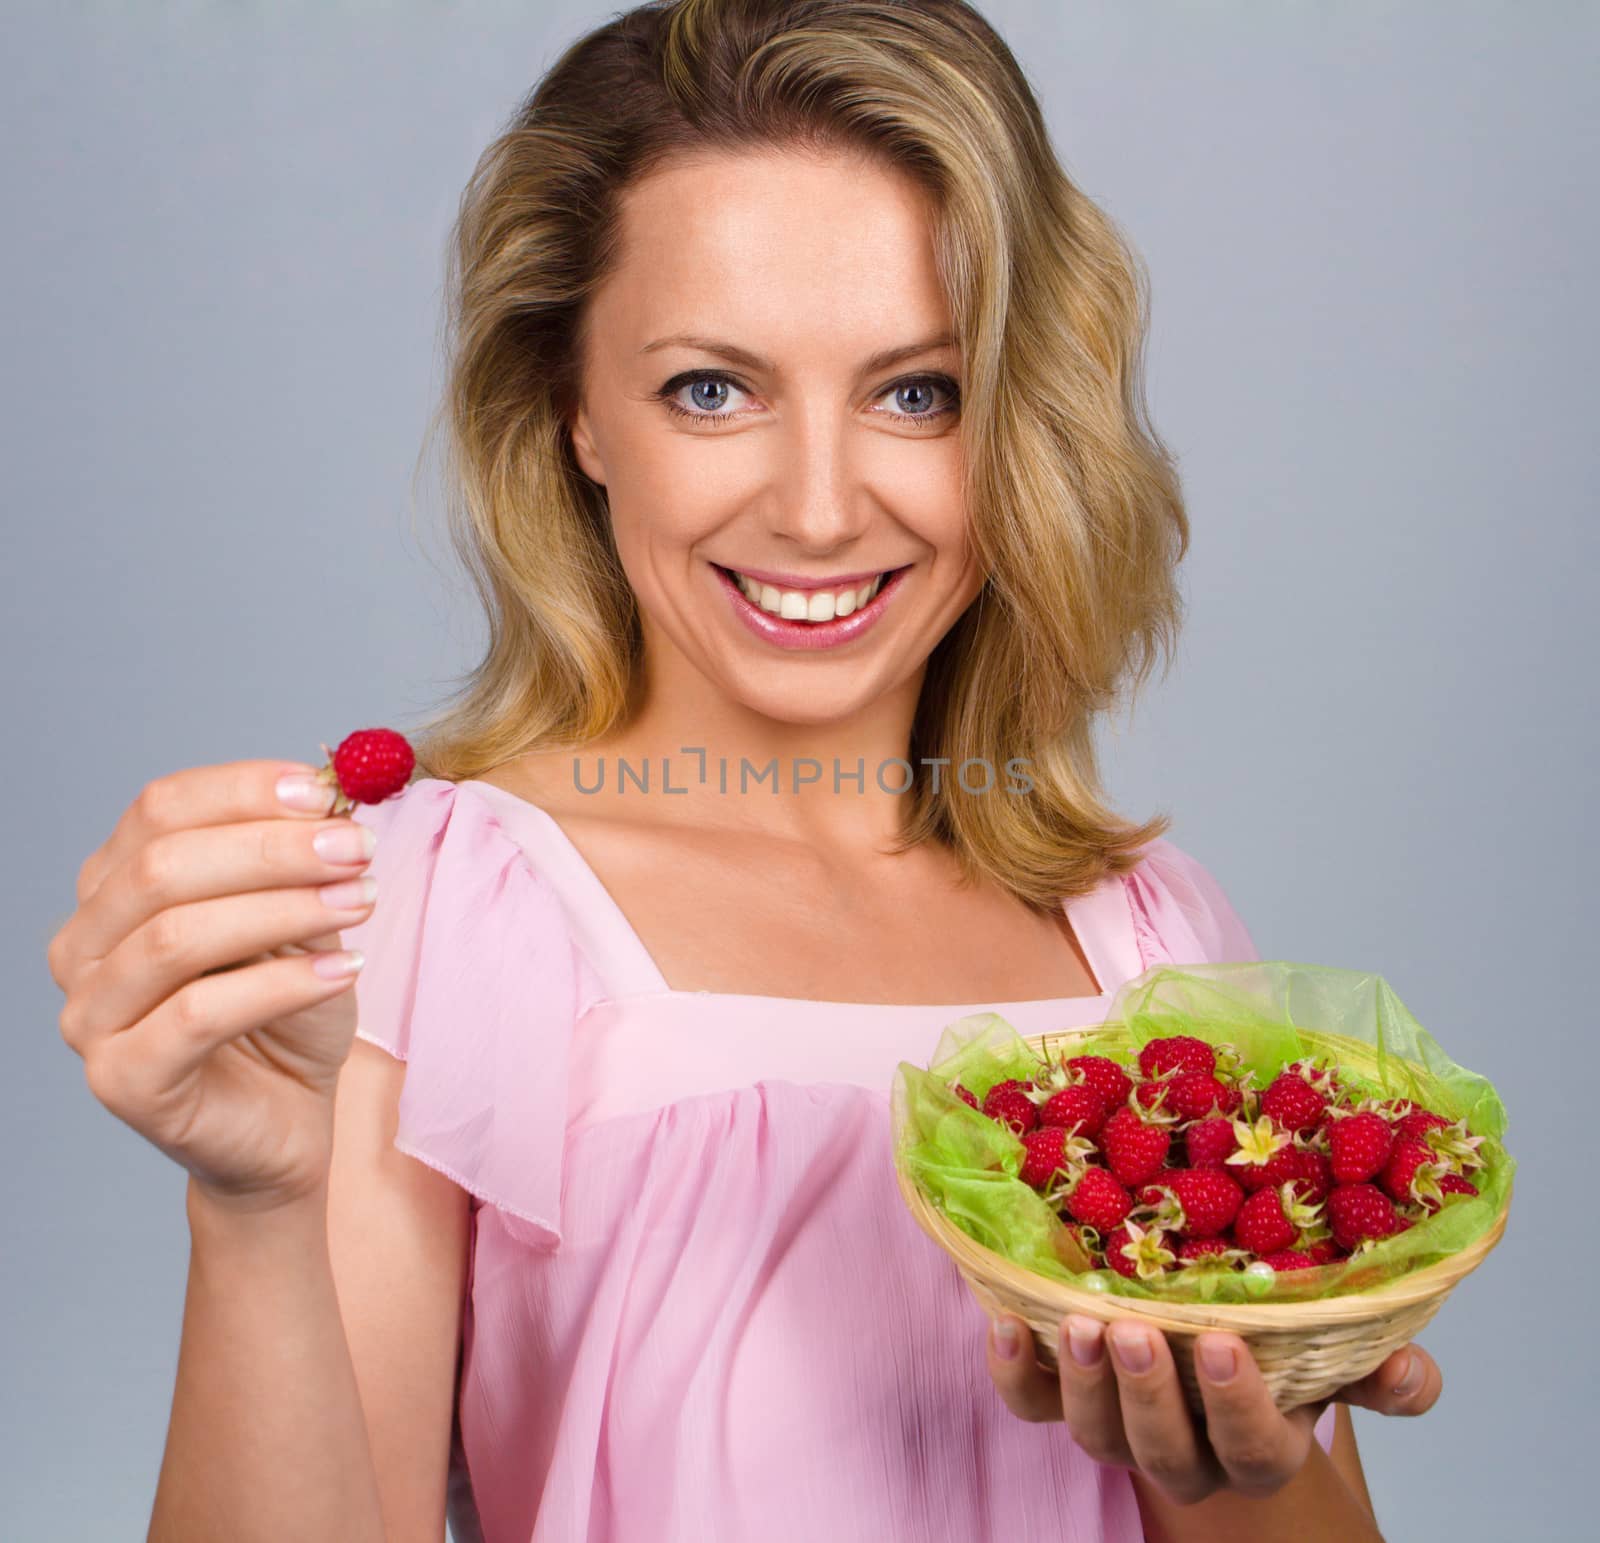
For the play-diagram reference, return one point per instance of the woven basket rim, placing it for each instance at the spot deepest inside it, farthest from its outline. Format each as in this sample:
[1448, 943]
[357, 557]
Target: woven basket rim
[1001, 1275]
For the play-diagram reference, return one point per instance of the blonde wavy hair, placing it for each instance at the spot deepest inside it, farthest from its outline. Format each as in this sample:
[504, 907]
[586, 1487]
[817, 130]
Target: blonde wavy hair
[1075, 508]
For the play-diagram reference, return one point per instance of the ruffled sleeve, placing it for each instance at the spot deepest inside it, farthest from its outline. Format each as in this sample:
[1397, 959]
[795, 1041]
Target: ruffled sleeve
[1180, 913]
[472, 979]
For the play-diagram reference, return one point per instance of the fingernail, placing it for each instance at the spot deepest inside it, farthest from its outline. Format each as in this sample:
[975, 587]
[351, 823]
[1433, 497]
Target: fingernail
[1083, 1342]
[1410, 1379]
[1216, 1361]
[1132, 1349]
[334, 966]
[1006, 1343]
[304, 793]
[349, 894]
[348, 843]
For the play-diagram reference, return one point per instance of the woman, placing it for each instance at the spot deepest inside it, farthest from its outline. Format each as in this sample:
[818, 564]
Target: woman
[795, 412]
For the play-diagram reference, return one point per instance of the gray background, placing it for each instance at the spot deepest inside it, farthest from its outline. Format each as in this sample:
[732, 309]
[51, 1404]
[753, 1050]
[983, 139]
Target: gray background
[1372, 241]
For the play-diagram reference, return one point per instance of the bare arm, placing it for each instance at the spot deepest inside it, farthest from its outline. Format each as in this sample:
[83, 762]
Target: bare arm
[1325, 1502]
[267, 1438]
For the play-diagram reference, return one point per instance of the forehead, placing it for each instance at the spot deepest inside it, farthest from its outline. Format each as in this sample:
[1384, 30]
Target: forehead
[768, 242]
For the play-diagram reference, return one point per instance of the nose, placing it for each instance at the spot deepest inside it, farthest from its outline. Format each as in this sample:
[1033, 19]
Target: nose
[818, 500]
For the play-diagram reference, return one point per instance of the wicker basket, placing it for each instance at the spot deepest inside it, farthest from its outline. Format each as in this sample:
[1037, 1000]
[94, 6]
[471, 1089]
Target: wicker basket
[1306, 1350]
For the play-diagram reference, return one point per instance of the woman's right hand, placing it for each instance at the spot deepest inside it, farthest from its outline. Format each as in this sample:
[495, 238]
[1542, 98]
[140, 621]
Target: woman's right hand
[188, 968]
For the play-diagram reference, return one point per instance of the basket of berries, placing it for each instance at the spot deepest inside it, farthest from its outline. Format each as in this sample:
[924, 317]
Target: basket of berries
[1277, 1150]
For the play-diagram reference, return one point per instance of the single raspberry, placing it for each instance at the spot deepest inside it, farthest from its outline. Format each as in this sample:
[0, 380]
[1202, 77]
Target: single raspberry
[1452, 1184]
[1292, 1103]
[1322, 1075]
[1308, 1171]
[1324, 1251]
[1205, 1248]
[1358, 1146]
[1152, 1096]
[1177, 1052]
[1261, 1225]
[1098, 1200]
[1357, 1212]
[1134, 1148]
[369, 766]
[1153, 1191]
[1195, 1095]
[1208, 1200]
[1419, 1122]
[1075, 1106]
[1104, 1076]
[1138, 1253]
[964, 1094]
[1412, 1172]
[1048, 1151]
[1008, 1103]
[1210, 1142]
[1289, 1259]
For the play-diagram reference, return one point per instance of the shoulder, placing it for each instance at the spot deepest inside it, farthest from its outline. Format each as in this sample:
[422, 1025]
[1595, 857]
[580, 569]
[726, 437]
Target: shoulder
[1178, 898]
[471, 977]
[462, 906]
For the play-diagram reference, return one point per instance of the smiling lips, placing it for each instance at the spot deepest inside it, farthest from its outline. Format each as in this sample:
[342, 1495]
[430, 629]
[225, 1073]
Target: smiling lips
[809, 618]
[808, 604]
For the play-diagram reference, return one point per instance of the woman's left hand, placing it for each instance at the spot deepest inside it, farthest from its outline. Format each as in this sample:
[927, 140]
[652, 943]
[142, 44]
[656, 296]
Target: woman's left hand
[1126, 1407]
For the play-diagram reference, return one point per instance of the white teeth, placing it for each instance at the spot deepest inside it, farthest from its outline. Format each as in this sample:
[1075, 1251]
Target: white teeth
[813, 606]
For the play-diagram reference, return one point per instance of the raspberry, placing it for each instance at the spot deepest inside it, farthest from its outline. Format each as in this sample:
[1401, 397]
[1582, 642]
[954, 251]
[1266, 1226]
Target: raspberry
[1098, 1201]
[1261, 1225]
[1357, 1212]
[1047, 1154]
[1358, 1146]
[1137, 1253]
[964, 1094]
[1133, 1148]
[1307, 1171]
[1104, 1076]
[1292, 1104]
[1412, 1172]
[1289, 1259]
[1008, 1103]
[1076, 1105]
[1452, 1184]
[369, 766]
[1209, 1143]
[1194, 1095]
[1208, 1201]
[1177, 1052]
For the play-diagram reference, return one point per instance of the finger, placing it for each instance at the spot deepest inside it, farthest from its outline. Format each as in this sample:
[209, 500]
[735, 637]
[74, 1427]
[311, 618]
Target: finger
[1259, 1450]
[202, 863]
[1409, 1382]
[1087, 1388]
[1028, 1389]
[145, 1074]
[189, 797]
[183, 943]
[1155, 1415]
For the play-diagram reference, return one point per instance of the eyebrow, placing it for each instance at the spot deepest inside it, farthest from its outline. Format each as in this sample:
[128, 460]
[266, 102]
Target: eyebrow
[742, 356]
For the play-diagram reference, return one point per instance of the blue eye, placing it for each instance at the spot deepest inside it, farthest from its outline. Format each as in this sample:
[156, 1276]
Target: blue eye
[708, 413]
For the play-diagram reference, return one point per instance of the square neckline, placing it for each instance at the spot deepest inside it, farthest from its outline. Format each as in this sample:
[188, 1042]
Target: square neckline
[622, 933]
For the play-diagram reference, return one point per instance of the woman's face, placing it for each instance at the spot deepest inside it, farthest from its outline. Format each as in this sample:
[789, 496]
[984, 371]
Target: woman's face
[743, 412]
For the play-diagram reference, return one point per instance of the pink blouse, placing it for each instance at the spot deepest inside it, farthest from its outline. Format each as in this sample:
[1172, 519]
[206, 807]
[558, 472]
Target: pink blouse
[697, 1306]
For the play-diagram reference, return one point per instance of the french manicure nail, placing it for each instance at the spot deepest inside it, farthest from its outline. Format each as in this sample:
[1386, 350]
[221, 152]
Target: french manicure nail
[304, 793]
[1006, 1343]
[347, 843]
[349, 894]
[1410, 1378]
